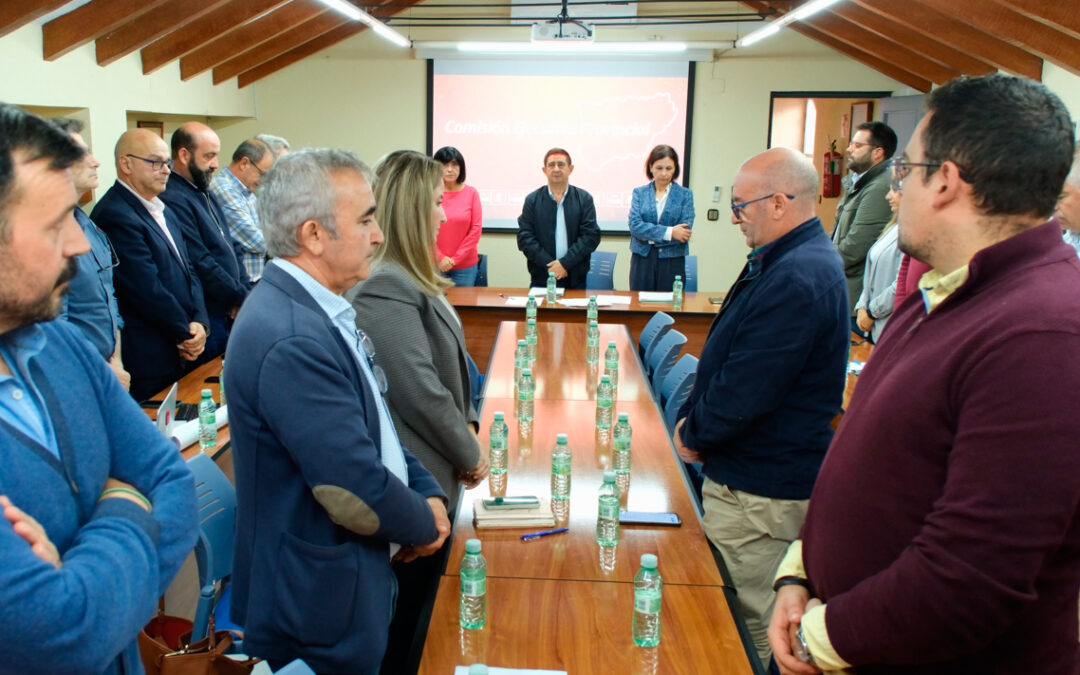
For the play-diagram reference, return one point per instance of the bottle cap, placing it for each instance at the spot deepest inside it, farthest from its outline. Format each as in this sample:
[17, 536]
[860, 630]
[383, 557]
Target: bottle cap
[526, 371]
[592, 298]
[609, 476]
[531, 322]
[611, 344]
[592, 322]
[605, 379]
[561, 439]
[678, 278]
[623, 417]
[499, 416]
[648, 560]
[522, 342]
[473, 546]
[206, 393]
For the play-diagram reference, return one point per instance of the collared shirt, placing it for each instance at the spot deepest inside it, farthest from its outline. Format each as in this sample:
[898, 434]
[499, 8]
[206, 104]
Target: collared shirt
[561, 244]
[21, 402]
[90, 302]
[855, 177]
[1072, 239]
[156, 209]
[238, 203]
[344, 317]
[936, 286]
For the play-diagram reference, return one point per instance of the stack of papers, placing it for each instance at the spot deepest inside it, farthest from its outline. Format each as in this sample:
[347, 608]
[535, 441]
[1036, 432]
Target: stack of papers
[522, 300]
[539, 516]
[654, 296]
[543, 291]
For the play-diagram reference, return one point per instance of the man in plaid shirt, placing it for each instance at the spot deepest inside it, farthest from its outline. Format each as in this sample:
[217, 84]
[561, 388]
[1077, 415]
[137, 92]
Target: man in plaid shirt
[233, 188]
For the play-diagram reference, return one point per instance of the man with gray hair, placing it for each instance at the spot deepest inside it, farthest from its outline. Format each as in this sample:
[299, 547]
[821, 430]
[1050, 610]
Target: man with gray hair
[234, 190]
[1068, 208]
[326, 495]
[278, 145]
[770, 379]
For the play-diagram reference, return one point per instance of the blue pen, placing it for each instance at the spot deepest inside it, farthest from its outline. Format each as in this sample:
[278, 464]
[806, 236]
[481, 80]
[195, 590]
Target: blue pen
[542, 533]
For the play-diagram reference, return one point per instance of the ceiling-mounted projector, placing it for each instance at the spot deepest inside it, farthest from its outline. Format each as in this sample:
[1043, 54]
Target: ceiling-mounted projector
[570, 30]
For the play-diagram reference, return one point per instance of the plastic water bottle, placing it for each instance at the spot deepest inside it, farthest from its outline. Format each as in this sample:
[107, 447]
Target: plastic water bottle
[530, 308]
[530, 338]
[497, 444]
[207, 421]
[607, 512]
[552, 294]
[521, 360]
[621, 451]
[676, 293]
[525, 397]
[648, 589]
[472, 609]
[560, 470]
[603, 404]
[591, 312]
[592, 343]
[611, 367]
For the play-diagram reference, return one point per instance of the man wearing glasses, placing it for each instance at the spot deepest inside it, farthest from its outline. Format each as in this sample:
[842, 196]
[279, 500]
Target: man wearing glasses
[90, 302]
[770, 379]
[159, 295]
[943, 534]
[234, 190]
[326, 495]
[863, 211]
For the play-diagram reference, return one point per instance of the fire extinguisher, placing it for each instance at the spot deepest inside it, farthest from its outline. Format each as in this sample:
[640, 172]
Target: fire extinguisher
[830, 181]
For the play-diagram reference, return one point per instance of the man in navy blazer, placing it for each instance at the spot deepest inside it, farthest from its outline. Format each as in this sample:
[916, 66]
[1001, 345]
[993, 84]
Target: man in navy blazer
[159, 295]
[326, 495]
[213, 251]
[557, 228]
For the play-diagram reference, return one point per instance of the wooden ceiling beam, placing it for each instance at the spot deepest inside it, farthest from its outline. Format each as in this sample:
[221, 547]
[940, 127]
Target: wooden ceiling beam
[1060, 14]
[257, 32]
[1015, 28]
[89, 22]
[979, 44]
[299, 53]
[884, 49]
[154, 24]
[14, 14]
[305, 32]
[918, 41]
[884, 67]
[216, 24]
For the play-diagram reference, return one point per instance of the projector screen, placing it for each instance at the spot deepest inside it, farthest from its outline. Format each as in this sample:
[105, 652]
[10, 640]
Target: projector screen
[503, 115]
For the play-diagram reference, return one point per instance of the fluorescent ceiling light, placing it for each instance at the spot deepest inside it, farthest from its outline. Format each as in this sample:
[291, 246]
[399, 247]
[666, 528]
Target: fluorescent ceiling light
[571, 47]
[798, 14]
[356, 14]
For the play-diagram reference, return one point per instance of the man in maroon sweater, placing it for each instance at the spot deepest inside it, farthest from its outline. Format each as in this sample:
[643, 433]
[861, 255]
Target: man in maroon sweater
[943, 534]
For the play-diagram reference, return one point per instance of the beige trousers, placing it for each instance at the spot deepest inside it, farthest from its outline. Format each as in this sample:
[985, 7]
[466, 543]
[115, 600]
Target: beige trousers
[753, 534]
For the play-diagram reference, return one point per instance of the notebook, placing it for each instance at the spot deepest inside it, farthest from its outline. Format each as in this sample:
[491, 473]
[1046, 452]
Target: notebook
[539, 516]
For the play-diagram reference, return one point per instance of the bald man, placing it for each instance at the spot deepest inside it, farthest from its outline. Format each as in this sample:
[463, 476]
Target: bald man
[214, 253]
[770, 379]
[158, 292]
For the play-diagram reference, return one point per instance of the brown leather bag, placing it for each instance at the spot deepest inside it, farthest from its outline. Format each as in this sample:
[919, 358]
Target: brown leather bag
[165, 650]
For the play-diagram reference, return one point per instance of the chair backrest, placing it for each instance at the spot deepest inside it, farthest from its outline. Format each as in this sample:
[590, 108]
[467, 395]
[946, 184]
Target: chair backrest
[664, 355]
[601, 274]
[681, 380]
[690, 281]
[481, 271]
[217, 526]
[658, 325]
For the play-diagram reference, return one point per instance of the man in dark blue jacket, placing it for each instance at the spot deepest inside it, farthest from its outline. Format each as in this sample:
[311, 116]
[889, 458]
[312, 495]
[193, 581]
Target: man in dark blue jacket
[770, 379]
[213, 251]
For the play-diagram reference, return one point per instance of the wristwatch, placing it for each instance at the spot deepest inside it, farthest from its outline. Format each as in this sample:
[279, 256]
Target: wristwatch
[802, 650]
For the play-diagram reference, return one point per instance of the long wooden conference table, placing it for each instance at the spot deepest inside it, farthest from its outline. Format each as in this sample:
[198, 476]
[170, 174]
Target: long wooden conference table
[550, 604]
[483, 309]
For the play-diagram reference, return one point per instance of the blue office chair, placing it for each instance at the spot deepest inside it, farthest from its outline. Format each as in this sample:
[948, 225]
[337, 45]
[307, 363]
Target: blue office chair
[481, 271]
[214, 549]
[601, 274]
[678, 383]
[663, 357]
[690, 280]
[658, 325]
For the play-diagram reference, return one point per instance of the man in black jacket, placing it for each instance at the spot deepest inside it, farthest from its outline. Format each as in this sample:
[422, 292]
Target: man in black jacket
[213, 251]
[557, 228]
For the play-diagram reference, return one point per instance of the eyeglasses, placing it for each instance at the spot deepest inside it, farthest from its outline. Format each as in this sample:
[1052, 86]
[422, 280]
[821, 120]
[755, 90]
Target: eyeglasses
[256, 167]
[899, 170]
[859, 145]
[737, 208]
[155, 164]
[365, 343]
[105, 266]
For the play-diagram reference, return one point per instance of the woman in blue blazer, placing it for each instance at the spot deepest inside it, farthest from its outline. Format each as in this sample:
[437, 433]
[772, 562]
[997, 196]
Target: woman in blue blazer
[661, 219]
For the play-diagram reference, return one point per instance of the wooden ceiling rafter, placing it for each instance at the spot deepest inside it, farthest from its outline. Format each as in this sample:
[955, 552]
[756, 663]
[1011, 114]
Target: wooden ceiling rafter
[255, 33]
[1012, 27]
[1062, 15]
[137, 34]
[14, 14]
[305, 32]
[217, 24]
[89, 22]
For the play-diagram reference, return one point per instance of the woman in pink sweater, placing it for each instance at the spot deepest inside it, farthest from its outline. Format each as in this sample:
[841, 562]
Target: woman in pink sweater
[460, 234]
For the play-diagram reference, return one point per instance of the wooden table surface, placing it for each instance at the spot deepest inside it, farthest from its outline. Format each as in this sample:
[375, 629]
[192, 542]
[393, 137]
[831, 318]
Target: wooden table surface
[189, 390]
[482, 309]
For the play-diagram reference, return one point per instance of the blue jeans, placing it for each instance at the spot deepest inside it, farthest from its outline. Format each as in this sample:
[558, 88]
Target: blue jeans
[465, 276]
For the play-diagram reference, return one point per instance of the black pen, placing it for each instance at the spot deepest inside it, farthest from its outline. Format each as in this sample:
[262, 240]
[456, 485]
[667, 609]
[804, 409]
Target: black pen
[542, 533]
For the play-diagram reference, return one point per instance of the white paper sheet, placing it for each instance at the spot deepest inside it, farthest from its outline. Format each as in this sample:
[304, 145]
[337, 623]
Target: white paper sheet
[464, 670]
[187, 433]
[522, 300]
[543, 291]
[613, 299]
[654, 296]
